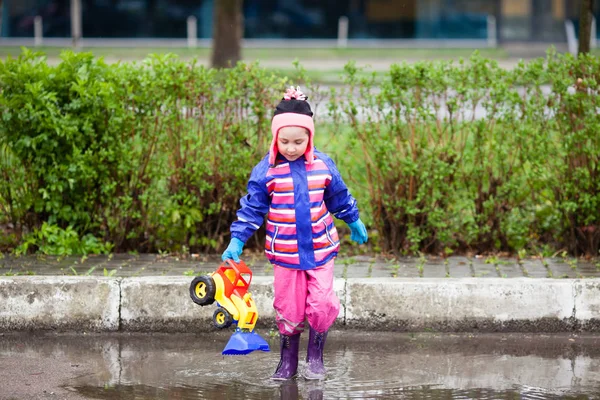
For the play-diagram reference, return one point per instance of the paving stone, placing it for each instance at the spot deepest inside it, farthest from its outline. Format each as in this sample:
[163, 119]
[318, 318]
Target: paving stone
[386, 270]
[122, 257]
[509, 268]
[266, 269]
[460, 267]
[407, 271]
[483, 269]
[359, 270]
[94, 262]
[405, 267]
[435, 269]
[533, 268]
[367, 259]
[589, 269]
[342, 267]
[561, 269]
[361, 266]
[143, 272]
[339, 269]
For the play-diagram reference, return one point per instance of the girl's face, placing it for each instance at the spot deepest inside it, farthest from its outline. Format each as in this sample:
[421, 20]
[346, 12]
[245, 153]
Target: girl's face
[292, 142]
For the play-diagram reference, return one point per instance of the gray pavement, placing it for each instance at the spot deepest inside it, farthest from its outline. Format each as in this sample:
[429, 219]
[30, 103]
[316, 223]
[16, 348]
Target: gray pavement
[137, 265]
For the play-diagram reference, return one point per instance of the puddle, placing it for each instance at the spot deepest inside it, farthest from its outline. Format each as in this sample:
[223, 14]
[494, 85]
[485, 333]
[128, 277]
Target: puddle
[292, 392]
[360, 365]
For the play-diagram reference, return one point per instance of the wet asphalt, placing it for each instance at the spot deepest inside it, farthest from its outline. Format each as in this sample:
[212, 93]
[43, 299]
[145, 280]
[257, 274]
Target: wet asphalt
[365, 365]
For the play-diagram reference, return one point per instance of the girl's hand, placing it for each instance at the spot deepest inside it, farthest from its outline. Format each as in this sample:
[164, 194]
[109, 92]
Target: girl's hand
[233, 251]
[358, 232]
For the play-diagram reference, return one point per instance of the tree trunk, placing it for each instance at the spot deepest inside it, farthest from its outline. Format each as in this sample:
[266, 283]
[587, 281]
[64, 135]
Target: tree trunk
[585, 25]
[227, 33]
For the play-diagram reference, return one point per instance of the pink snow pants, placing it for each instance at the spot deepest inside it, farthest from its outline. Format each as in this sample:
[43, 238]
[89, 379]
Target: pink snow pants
[301, 295]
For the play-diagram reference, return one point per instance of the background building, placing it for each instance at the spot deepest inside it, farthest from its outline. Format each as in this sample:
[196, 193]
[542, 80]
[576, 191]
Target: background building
[516, 20]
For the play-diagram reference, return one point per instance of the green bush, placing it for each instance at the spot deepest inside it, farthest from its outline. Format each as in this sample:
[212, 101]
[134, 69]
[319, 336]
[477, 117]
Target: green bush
[145, 156]
[155, 155]
[438, 178]
[52, 240]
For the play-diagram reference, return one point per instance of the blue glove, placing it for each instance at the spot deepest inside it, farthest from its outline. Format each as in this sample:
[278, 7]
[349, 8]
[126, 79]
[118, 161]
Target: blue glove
[233, 251]
[358, 232]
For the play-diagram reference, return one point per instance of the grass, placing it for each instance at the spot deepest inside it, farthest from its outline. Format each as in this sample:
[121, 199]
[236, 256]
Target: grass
[273, 54]
[323, 65]
[279, 54]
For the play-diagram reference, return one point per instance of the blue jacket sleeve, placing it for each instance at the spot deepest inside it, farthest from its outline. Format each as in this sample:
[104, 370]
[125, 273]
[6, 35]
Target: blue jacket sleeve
[337, 197]
[254, 205]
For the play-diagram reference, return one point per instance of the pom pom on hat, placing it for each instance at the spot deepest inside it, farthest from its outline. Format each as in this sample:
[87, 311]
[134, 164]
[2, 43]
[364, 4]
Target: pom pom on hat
[294, 93]
[293, 110]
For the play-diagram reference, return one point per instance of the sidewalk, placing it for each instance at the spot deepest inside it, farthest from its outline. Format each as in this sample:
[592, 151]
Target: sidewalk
[136, 265]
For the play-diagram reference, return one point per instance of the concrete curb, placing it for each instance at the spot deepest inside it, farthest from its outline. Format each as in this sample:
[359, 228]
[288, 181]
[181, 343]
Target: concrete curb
[62, 303]
[163, 304]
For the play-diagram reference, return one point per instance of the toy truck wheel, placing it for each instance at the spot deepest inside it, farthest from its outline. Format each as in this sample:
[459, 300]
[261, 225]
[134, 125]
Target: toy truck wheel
[202, 290]
[222, 318]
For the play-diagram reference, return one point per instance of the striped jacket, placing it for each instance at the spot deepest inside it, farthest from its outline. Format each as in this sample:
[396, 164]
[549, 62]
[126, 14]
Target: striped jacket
[298, 199]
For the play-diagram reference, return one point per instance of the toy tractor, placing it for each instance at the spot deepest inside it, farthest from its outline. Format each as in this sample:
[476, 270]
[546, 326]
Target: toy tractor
[228, 286]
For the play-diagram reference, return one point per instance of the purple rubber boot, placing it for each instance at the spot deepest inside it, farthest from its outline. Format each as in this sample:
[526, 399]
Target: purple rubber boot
[288, 365]
[315, 370]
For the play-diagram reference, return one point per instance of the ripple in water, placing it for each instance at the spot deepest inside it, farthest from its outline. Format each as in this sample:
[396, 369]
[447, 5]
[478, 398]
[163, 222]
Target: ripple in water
[360, 366]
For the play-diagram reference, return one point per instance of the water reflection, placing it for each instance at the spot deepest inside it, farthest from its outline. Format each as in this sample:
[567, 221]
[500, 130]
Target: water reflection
[360, 365]
[291, 391]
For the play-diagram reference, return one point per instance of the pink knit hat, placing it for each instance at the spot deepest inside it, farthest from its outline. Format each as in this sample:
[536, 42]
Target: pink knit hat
[293, 110]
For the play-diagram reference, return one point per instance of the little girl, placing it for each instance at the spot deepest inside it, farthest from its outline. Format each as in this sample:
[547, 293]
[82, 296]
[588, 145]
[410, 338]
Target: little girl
[298, 188]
